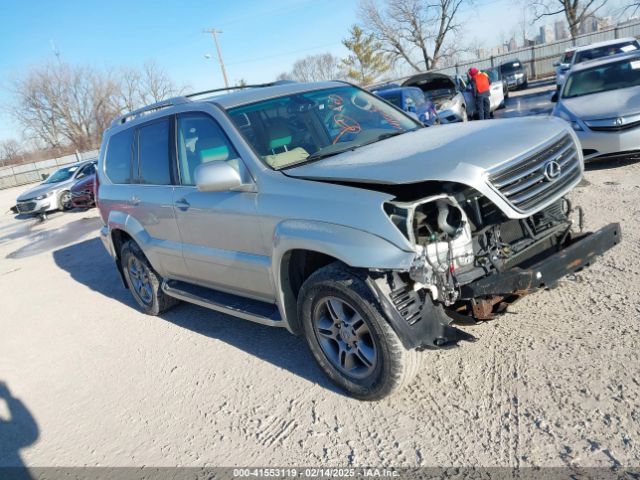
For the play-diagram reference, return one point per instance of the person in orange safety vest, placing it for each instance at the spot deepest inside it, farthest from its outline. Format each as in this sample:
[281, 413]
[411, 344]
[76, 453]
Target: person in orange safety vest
[481, 91]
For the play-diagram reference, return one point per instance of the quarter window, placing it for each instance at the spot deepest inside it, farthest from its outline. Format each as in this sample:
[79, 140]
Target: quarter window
[118, 161]
[201, 140]
[153, 153]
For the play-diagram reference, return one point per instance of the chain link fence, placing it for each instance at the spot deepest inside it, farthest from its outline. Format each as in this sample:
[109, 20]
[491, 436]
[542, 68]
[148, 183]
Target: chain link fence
[539, 59]
[36, 171]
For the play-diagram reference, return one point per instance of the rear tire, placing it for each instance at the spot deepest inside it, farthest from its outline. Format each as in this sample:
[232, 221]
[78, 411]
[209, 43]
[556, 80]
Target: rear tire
[143, 281]
[350, 338]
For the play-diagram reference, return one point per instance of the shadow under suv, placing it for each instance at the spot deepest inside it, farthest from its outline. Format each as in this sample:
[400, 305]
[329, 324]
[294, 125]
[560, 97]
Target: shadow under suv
[327, 211]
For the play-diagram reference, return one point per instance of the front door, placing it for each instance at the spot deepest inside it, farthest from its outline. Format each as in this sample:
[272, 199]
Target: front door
[221, 238]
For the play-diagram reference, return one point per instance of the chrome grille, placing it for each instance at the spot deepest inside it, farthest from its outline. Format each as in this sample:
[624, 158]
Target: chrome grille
[523, 182]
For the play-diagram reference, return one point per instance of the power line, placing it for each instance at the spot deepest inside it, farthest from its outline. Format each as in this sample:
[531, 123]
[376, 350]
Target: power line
[214, 33]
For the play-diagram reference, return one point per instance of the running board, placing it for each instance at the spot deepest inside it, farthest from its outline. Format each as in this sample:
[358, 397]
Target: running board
[246, 308]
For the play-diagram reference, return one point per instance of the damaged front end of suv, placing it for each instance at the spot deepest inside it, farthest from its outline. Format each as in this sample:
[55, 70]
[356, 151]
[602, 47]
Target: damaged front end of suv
[473, 259]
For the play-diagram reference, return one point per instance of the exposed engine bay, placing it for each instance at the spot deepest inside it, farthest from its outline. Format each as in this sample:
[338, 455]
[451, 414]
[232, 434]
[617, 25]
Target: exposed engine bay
[462, 237]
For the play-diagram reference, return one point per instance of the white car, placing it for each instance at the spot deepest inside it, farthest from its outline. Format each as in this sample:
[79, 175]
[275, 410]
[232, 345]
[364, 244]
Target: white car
[563, 65]
[604, 49]
[497, 89]
[601, 101]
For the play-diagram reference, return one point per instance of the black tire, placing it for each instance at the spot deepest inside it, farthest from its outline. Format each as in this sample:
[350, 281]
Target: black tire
[153, 301]
[394, 366]
[64, 201]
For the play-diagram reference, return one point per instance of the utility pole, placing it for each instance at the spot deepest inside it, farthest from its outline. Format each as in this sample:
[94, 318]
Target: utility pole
[214, 33]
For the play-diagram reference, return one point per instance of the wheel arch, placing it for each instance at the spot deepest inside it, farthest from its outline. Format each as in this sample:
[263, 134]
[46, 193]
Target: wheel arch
[302, 247]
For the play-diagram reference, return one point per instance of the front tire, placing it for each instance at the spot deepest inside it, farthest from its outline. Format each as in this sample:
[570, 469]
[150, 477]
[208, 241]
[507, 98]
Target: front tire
[64, 201]
[350, 338]
[143, 281]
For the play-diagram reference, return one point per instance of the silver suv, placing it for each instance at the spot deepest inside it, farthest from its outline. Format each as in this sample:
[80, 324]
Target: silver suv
[325, 210]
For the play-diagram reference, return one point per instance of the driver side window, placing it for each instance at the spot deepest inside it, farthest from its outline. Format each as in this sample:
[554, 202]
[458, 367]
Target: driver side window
[201, 140]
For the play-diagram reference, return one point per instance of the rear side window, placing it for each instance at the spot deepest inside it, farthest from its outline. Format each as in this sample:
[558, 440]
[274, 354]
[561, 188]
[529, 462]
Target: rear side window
[119, 153]
[153, 153]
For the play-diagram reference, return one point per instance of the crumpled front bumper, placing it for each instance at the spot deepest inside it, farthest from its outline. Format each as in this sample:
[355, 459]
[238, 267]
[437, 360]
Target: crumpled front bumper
[421, 323]
[581, 253]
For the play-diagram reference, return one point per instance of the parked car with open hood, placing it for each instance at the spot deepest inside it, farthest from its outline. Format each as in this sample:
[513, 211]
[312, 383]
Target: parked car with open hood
[446, 94]
[322, 209]
[412, 100]
[54, 193]
[601, 101]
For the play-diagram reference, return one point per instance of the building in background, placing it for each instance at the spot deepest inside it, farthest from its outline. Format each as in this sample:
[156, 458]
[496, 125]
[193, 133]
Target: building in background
[512, 45]
[560, 30]
[547, 34]
[589, 25]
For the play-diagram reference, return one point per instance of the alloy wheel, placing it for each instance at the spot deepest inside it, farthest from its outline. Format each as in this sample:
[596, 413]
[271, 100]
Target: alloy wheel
[65, 200]
[139, 276]
[345, 337]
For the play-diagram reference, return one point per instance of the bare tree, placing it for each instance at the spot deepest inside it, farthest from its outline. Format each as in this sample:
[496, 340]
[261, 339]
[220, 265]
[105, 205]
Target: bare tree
[9, 152]
[405, 27]
[59, 104]
[575, 11]
[314, 68]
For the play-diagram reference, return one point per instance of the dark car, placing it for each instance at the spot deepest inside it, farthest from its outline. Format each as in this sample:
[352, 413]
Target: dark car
[83, 193]
[412, 100]
[515, 74]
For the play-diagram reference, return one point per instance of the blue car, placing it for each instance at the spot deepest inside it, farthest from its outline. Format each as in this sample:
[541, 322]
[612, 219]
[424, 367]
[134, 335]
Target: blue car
[412, 100]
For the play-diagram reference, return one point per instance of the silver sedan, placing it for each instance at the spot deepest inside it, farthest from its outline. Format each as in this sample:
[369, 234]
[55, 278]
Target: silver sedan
[601, 101]
[53, 193]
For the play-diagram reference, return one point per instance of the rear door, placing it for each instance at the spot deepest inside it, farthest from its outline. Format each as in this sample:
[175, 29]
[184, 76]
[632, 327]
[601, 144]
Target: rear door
[222, 242]
[151, 198]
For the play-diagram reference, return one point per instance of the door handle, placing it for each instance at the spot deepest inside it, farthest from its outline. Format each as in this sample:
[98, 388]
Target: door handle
[134, 200]
[182, 204]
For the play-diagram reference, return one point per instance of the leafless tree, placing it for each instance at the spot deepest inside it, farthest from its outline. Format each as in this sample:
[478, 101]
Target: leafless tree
[575, 11]
[409, 27]
[60, 105]
[139, 87]
[9, 152]
[314, 68]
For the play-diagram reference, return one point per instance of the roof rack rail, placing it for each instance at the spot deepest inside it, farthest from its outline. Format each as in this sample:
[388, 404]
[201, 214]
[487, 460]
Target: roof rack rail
[240, 87]
[170, 102]
[154, 107]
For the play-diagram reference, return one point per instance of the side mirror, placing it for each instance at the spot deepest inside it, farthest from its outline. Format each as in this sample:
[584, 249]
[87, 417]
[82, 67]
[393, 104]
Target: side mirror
[556, 63]
[554, 97]
[217, 176]
[80, 175]
[411, 108]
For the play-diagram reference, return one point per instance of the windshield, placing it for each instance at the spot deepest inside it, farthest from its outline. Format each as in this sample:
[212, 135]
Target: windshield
[394, 98]
[612, 76]
[303, 127]
[511, 67]
[593, 53]
[61, 175]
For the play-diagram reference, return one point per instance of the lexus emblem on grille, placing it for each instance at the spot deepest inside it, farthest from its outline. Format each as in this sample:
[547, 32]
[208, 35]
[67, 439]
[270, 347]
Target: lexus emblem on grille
[552, 170]
[619, 121]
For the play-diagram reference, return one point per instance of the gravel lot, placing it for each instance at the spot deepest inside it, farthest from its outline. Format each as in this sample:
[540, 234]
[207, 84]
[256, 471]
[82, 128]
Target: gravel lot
[554, 382]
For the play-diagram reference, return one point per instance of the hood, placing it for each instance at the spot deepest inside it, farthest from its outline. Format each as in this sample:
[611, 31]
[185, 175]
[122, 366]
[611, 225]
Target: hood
[432, 82]
[40, 190]
[615, 103]
[458, 153]
[84, 184]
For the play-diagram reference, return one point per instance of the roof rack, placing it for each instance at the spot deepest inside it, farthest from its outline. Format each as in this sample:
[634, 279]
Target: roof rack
[170, 102]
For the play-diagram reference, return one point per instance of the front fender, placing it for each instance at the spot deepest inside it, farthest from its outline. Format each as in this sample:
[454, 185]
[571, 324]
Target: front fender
[356, 248]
